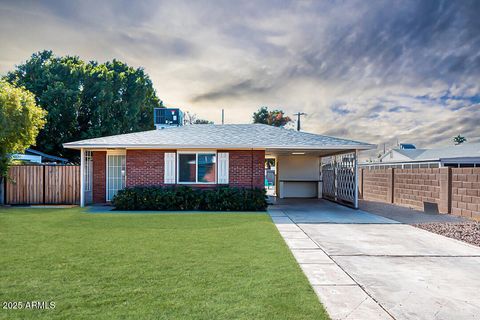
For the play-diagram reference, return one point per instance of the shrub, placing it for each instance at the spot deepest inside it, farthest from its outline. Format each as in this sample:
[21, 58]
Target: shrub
[187, 198]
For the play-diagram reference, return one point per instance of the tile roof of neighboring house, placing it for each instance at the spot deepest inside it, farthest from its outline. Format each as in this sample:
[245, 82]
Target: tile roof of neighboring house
[221, 136]
[460, 151]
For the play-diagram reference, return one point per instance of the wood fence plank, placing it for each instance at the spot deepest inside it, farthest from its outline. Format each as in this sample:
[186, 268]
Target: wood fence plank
[62, 184]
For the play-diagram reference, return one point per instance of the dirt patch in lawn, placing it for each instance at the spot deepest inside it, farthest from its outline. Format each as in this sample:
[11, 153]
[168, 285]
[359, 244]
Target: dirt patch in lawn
[468, 232]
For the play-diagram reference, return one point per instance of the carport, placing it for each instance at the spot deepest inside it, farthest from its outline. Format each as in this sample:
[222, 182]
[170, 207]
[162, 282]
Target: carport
[329, 171]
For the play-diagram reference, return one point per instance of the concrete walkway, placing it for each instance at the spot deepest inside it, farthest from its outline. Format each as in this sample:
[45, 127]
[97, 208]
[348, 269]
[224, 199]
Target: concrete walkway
[379, 269]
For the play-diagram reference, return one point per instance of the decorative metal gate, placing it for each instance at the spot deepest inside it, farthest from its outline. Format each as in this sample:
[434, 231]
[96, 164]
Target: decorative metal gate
[328, 177]
[339, 175]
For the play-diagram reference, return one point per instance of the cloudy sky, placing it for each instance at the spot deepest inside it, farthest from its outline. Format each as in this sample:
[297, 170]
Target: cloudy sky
[375, 71]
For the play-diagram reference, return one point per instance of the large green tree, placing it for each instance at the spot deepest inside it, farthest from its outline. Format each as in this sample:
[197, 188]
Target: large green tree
[20, 121]
[275, 117]
[116, 99]
[86, 99]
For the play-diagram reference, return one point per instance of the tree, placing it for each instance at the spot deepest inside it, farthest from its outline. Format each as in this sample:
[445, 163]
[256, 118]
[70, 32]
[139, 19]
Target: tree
[20, 121]
[191, 118]
[86, 100]
[116, 99]
[275, 117]
[459, 140]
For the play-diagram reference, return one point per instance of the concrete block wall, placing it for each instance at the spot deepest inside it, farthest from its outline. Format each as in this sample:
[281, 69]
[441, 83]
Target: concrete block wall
[466, 192]
[454, 190]
[413, 187]
[377, 185]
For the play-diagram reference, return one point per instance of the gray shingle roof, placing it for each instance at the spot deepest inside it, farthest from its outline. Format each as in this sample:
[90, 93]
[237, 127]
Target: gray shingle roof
[221, 136]
[463, 150]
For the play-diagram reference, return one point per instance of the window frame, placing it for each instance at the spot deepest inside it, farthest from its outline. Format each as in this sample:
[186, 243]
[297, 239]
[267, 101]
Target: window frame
[196, 153]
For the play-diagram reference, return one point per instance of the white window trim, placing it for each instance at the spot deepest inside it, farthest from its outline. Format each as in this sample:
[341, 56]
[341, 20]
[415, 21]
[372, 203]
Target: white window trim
[196, 153]
[117, 152]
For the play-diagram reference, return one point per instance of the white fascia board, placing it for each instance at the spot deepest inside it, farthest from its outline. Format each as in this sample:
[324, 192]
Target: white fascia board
[173, 147]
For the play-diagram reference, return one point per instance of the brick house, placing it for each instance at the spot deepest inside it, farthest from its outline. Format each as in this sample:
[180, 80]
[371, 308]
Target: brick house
[205, 156]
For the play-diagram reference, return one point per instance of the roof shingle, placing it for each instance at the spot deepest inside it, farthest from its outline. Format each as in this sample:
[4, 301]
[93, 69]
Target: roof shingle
[221, 136]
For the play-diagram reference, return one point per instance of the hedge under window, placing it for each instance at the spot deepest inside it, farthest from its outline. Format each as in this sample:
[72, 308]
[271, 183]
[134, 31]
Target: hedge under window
[196, 167]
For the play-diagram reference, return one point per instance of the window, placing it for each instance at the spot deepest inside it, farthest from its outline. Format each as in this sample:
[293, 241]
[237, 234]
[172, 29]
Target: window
[206, 168]
[196, 167]
[187, 164]
[452, 165]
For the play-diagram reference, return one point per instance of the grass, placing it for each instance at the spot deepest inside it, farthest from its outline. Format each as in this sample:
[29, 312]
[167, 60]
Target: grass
[144, 266]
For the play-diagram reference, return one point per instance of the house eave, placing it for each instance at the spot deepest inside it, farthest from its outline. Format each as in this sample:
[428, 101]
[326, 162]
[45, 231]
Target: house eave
[229, 147]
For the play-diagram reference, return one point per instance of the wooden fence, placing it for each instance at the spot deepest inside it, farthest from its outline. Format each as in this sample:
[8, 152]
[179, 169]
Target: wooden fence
[43, 184]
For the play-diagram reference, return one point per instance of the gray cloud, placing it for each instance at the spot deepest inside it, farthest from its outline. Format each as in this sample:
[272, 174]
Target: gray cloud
[233, 90]
[376, 71]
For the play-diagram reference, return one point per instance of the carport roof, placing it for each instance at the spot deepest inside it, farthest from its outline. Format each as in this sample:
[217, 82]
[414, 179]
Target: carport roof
[234, 136]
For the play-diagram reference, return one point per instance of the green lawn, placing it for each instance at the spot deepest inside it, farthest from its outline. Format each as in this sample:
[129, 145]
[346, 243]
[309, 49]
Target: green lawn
[143, 266]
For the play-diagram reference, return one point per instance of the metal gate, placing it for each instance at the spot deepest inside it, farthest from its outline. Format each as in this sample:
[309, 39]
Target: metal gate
[339, 175]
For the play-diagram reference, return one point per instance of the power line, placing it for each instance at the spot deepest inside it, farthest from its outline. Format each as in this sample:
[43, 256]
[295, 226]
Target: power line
[299, 114]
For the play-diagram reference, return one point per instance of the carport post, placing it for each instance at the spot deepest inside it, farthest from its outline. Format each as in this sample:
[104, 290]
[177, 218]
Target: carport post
[82, 183]
[356, 179]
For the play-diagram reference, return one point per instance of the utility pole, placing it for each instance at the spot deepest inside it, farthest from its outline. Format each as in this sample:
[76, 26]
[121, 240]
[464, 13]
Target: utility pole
[299, 114]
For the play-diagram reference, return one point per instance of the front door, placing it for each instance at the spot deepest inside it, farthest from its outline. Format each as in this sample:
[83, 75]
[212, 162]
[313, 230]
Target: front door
[115, 174]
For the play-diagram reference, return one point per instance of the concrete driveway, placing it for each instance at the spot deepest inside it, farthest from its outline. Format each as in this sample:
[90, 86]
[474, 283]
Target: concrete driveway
[364, 266]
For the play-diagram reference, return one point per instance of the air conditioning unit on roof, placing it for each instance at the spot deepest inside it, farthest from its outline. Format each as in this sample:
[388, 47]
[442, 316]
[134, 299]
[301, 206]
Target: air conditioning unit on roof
[167, 117]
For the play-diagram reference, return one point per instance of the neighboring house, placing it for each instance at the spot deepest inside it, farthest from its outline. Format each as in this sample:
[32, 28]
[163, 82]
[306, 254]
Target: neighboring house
[461, 156]
[204, 156]
[35, 156]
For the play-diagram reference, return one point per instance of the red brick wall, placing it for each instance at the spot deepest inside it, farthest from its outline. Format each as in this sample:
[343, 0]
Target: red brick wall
[377, 185]
[145, 167]
[246, 168]
[413, 187]
[99, 176]
[466, 192]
